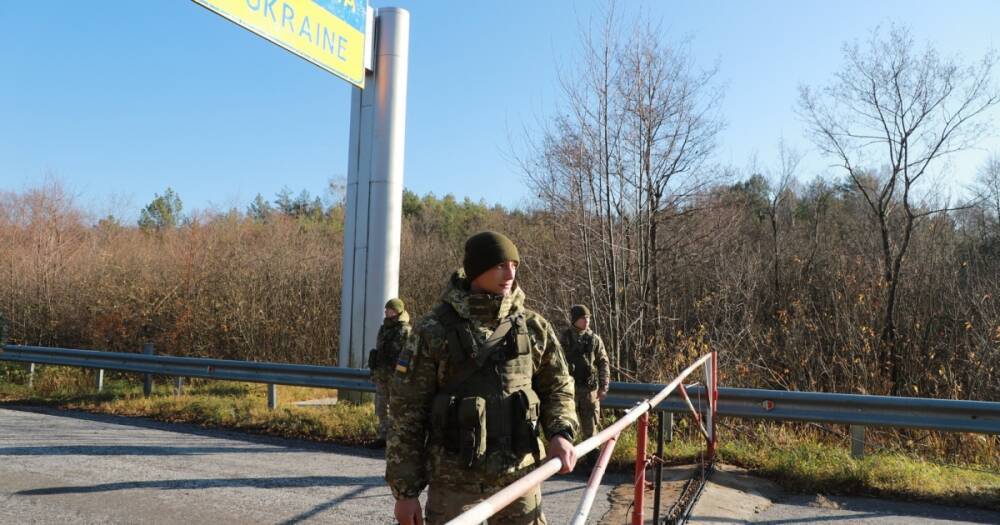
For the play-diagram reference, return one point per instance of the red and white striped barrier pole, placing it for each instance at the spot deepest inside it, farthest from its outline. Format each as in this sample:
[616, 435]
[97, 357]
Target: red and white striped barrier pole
[712, 389]
[490, 506]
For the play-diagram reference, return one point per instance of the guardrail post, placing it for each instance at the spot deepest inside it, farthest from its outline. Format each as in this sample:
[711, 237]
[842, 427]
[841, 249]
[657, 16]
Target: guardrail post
[147, 379]
[100, 379]
[31, 375]
[640, 467]
[272, 396]
[857, 441]
[179, 386]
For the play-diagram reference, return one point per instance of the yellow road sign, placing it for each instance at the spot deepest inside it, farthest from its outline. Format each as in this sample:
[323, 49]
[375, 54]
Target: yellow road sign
[328, 33]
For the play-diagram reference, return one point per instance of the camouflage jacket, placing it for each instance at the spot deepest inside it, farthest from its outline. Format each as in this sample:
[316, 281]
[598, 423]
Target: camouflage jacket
[588, 360]
[392, 336]
[412, 459]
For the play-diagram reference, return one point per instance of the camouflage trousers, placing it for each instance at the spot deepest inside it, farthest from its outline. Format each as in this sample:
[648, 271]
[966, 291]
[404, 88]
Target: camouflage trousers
[445, 502]
[382, 407]
[588, 410]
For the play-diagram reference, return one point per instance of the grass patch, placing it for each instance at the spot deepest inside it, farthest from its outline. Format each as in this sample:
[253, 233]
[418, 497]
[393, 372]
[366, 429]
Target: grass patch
[808, 464]
[214, 404]
[678, 452]
[344, 423]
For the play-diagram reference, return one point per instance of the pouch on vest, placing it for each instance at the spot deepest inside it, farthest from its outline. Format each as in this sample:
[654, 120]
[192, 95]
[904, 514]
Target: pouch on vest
[521, 342]
[443, 421]
[472, 429]
[525, 428]
[582, 373]
[372, 359]
[586, 378]
[388, 353]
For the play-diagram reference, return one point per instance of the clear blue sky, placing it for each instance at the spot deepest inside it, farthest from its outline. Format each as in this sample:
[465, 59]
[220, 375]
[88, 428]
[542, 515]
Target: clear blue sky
[121, 99]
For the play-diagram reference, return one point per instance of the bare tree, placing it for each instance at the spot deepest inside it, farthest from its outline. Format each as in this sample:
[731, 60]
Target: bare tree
[988, 189]
[779, 179]
[627, 156]
[899, 111]
[668, 107]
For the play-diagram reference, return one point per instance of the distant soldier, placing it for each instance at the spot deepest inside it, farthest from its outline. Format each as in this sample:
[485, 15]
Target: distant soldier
[481, 395]
[590, 368]
[392, 336]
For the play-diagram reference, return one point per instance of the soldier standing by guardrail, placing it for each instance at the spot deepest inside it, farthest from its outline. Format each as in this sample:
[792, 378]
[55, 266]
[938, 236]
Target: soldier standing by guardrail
[382, 360]
[589, 366]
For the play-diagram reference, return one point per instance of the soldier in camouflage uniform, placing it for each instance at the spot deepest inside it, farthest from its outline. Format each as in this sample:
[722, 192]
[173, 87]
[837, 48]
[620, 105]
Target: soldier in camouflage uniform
[382, 360]
[589, 366]
[480, 389]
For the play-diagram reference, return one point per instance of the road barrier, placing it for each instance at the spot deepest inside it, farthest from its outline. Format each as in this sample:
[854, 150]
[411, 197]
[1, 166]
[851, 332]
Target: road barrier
[847, 409]
[777, 405]
[222, 369]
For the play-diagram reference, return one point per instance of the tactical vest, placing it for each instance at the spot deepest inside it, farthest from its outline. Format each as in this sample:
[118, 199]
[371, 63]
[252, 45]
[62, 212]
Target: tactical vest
[387, 352]
[580, 358]
[487, 404]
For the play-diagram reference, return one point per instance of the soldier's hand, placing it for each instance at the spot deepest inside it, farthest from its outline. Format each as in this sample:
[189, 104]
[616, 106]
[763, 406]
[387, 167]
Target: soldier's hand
[408, 512]
[602, 394]
[560, 447]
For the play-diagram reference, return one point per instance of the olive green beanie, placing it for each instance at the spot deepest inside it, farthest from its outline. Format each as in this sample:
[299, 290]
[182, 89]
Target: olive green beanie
[485, 250]
[396, 304]
[577, 311]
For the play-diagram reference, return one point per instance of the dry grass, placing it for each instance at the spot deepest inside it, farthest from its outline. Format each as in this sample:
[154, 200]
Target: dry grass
[220, 287]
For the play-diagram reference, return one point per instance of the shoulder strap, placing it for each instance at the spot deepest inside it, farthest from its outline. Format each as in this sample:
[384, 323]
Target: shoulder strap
[446, 314]
[521, 334]
[459, 337]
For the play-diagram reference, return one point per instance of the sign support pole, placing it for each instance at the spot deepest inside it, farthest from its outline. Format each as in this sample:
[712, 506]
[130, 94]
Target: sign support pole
[373, 215]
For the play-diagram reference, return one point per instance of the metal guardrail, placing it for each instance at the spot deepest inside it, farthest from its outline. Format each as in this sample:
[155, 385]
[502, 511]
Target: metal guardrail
[223, 369]
[849, 409]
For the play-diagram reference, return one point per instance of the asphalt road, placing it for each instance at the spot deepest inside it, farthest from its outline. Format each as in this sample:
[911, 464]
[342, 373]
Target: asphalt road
[75, 468]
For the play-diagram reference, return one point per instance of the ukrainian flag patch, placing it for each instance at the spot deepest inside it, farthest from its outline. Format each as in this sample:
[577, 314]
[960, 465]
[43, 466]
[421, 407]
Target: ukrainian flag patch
[403, 364]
